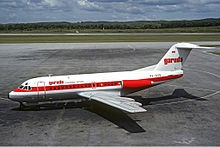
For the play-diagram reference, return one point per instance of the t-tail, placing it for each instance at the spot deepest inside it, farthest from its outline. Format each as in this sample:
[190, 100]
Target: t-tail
[176, 57]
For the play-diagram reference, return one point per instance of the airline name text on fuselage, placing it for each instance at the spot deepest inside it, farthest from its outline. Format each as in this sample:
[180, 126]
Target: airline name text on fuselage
[56, 82]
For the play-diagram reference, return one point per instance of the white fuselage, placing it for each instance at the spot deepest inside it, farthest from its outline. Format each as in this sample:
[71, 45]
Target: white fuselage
[54, 88]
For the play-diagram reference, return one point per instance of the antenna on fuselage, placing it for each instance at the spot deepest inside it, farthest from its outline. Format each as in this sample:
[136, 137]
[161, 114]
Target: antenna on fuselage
[50, 75]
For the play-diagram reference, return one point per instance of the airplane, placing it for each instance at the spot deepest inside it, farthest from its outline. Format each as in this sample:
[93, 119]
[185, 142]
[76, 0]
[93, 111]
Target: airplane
[109, 88]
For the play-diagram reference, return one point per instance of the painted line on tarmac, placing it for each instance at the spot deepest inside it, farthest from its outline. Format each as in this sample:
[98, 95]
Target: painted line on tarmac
[131, 47]
[209, 95]
[203, 72]
[208, 72]
[191, 87]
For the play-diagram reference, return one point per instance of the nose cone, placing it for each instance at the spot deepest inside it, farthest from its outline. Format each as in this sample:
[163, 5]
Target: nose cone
[13, 96]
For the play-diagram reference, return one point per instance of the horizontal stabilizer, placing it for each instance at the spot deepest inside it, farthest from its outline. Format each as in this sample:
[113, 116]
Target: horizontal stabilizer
[192, 46]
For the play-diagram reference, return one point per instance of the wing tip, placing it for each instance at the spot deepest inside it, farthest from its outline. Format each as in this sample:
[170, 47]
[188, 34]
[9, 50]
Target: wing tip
[138, 111]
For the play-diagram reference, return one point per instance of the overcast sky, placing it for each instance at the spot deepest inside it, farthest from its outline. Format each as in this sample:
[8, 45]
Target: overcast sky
[18, 11]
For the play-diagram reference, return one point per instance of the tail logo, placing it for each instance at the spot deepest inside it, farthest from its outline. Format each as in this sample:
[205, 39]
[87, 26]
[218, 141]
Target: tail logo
[172, 60]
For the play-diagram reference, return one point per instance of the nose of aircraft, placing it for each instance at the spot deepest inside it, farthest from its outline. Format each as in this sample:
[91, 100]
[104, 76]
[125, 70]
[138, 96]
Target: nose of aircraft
[12, 95]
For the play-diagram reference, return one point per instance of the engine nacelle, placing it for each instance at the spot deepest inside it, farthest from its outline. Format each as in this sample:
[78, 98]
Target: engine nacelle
[136, 83]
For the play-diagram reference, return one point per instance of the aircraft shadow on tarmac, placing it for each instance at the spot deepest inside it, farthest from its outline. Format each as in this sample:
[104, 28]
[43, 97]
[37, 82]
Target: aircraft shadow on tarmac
[178, 95]
[119, 118]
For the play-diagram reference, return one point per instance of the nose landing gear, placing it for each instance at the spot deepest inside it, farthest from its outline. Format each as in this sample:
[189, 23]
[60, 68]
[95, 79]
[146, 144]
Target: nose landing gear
[22, 106]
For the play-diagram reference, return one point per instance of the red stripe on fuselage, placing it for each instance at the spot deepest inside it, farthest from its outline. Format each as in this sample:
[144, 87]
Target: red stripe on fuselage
[91, 85]
[158, 79]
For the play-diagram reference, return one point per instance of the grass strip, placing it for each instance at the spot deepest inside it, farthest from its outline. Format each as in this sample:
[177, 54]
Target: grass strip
[108, 38]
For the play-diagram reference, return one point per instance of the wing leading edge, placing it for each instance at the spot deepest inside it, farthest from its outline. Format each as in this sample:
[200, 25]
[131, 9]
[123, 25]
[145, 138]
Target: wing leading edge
[123, 103]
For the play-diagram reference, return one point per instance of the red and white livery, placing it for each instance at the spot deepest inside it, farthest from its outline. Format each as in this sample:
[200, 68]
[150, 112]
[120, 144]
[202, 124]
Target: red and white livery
[108, 88]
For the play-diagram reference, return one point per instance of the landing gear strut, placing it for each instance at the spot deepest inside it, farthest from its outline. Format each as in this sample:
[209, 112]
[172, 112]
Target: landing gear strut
[25, 107]
[22, 106]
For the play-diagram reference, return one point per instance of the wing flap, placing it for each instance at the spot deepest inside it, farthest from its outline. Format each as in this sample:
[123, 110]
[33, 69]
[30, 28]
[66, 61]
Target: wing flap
[123, 103]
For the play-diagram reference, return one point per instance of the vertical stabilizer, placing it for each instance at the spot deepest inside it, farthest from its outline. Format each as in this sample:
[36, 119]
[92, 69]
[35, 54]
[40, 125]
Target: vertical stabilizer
[175, 57]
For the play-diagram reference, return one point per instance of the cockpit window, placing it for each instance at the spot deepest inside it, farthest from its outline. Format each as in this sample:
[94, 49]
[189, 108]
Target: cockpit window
[21, 87]
[28, 88]
[24, 87]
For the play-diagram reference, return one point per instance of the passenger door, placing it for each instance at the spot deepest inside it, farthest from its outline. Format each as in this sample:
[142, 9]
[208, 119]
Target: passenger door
[93, 85]
[41, 90]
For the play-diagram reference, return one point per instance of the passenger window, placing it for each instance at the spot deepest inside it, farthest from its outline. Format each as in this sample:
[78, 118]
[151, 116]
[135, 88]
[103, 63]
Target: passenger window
[50, 88]
[108, 83]
[78, 86]
[93, 85]
[81, 85]
[97, 84]
[58, 87]
[115, 83]
[111, 83]
[54, 88]
[105, 84]
[89, 85]
[70, 86]
[66, 86]
[85, 85]
[74, 86]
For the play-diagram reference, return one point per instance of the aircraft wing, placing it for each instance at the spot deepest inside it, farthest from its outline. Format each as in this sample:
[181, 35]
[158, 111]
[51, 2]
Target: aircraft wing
[123, 103]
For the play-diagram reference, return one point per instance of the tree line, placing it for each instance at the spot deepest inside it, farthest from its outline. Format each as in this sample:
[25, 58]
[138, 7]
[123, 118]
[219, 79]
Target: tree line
[110, 25]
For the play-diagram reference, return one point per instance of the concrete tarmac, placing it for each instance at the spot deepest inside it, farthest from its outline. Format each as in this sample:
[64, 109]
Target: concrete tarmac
[182, 112]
